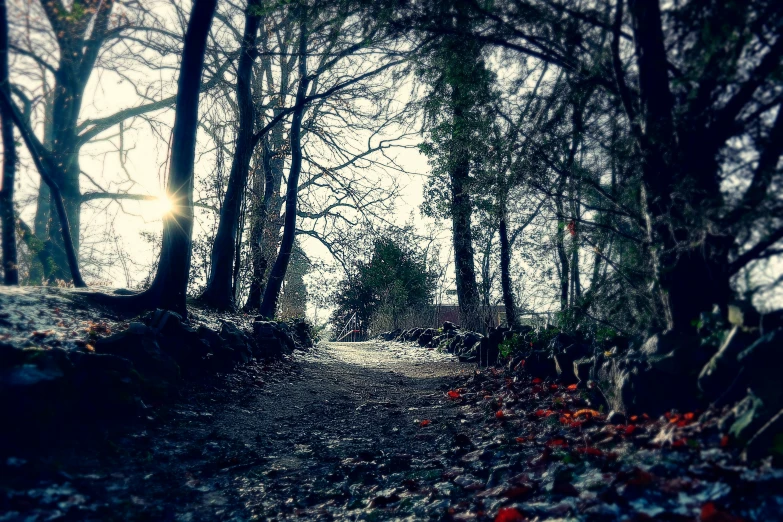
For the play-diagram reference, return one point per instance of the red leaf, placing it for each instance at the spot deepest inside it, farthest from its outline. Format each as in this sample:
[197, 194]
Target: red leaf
[518, 491]
[509, 515]
[640, 478]
[724, 441]
[454, 394]
[630, 429]
[571, 387]
[710, 513]
[499, 414]
[425, 422]
[537, 380]
[553, 386]
[557, 443]
[688, 416]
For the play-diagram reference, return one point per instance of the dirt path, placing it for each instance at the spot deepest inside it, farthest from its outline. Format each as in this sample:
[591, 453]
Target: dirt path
[313, 438]
[366, 431]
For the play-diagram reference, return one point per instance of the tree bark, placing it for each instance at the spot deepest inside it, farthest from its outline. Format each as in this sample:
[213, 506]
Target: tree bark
[690, 279]
[562, 255]
[10, 262]
[220, 289]
[277, 274]
[505, 270]
[461, 217]
[169, 288]
[261, 181]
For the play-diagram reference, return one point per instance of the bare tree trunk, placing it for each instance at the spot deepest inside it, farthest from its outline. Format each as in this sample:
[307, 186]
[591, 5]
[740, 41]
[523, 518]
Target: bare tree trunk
[39, 242]
[691, 278]
[462, 235]
[10, 269]
[79, 45]
[277, 274]
[562, 255]
[505, 269]
[257, 220]
[169, 288]
[219, 292]
[265, 226]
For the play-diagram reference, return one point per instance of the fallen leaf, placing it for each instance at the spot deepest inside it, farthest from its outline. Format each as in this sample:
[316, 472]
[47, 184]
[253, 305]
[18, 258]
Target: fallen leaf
[517, 492]
[509, 515]
[640, 478]
[499, 414]
[557, 443]
[724, 441]
[537, 380]
[572, 387]
[590, 451]
[587, 411]
[710, 513]
[425, 422]
[454, 394]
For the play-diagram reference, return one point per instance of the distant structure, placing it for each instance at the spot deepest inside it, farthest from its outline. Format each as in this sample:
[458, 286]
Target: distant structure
[496, 314]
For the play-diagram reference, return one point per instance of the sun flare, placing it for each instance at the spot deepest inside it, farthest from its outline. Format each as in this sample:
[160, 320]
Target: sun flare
[163, 205]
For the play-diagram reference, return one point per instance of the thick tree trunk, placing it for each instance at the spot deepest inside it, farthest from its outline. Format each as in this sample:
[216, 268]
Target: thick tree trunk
[265, 227]
[10, 268]
[691, 278]
[277, 274]
[79, 39]
[39, 243]
[220, 288]
[66, 105]
[464, 266]
[257, 220]
[169, 288]
[505, 270]
[461, 216]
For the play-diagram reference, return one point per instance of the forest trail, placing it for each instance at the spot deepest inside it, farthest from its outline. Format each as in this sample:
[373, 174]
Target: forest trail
[296, 440]
[385, 431]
